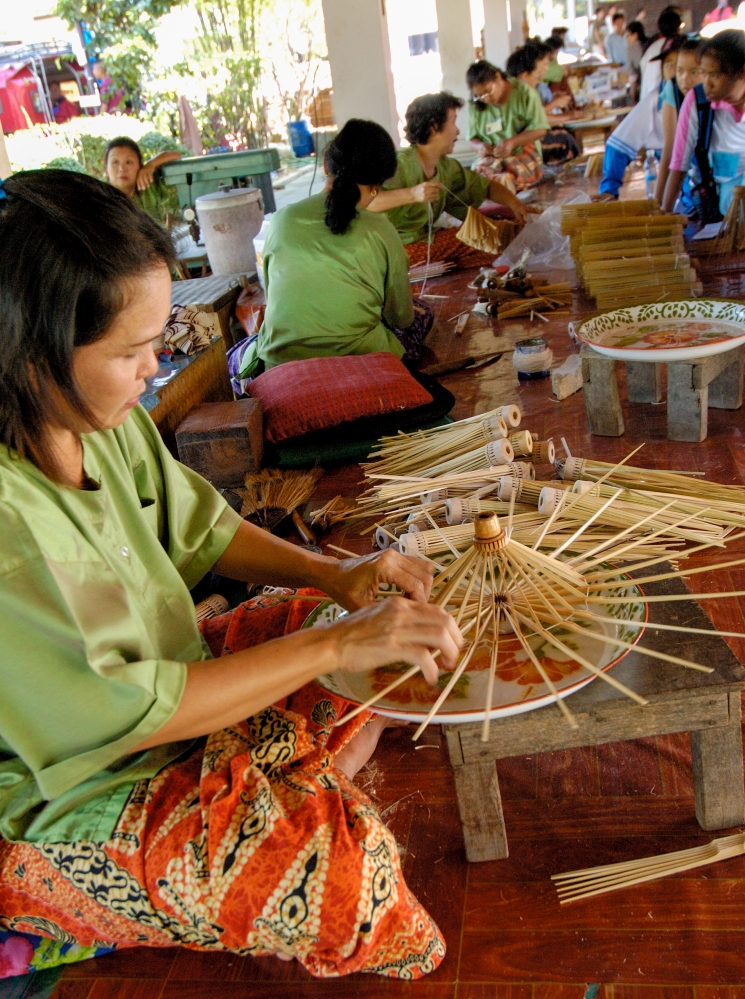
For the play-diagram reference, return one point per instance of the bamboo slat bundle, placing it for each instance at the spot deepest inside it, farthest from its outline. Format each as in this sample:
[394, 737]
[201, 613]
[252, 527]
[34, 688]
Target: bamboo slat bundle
[410, 453]
[718, 512]
[649, 479]
[484, 234]
[731, 237]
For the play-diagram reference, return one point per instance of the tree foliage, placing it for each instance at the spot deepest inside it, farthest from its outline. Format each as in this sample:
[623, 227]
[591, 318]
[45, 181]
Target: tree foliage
[113, 21]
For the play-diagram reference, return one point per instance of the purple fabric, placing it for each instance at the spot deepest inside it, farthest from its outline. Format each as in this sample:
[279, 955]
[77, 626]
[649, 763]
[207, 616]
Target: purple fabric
[413, 337]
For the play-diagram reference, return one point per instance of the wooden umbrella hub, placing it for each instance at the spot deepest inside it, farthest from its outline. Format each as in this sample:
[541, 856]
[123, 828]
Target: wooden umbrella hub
[489, 536]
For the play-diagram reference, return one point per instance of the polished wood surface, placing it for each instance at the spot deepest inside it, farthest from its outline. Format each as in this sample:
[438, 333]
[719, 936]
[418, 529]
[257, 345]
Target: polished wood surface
[507, 936]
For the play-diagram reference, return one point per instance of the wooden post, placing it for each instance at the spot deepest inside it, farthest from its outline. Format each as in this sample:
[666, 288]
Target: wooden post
[688, 386]
[479, 803]
[644, 381]
[602, 405]
[718, 771]
[725, 391]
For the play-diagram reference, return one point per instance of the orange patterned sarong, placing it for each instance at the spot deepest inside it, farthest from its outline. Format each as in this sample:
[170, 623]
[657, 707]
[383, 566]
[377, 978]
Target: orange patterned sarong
[251, 842]
[447, 246]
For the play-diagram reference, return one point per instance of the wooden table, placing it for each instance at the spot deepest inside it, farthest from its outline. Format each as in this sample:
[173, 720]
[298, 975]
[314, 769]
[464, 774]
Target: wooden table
[692, 386]
[680, 700]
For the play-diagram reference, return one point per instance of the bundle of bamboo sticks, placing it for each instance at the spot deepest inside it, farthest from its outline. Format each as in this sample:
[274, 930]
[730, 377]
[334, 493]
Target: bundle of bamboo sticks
[628, 253]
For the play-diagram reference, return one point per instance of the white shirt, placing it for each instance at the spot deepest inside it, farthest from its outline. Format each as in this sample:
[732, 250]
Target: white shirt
[651, 71]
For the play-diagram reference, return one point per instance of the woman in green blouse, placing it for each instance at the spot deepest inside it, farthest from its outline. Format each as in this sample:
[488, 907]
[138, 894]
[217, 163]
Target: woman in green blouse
[149, 794]
[126, 171]
[506, 124]
[429, 181]
[336, 276]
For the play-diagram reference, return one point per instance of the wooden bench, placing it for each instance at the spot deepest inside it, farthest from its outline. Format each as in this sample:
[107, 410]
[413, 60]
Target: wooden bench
[680, 700]
[692, 387]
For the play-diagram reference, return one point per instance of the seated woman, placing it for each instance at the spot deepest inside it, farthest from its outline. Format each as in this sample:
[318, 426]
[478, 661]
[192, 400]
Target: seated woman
[125, 170]
[149, 794]
[506, 124]
[529, 65]
[428, 181]
[337, 277]
[717, 164]
[687, 76]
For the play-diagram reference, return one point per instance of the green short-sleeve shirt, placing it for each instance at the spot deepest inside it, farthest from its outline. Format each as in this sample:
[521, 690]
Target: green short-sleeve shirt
[98, 626]
[160, 200]
[522, 112]
[554, 73]
[412, 221]
[329, 294]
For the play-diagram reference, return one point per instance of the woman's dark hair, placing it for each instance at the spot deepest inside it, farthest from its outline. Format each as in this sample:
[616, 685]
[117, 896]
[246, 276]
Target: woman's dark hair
[728, 48]
[524, 59]
[637, 28]
[118, 143]
[554, 43]
[480, 73]
[669, 22]
[429, 114]
[70, 244]
[691, 45]
[362, 153]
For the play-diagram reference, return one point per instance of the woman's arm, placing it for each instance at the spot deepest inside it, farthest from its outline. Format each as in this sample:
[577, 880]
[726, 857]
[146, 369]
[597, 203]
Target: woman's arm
[499, 193]
[429, 190]
[147, 172]
[223, 692]
[672, 189]
[562, 101]
[256, 556]
[507, 146]
[669, 123]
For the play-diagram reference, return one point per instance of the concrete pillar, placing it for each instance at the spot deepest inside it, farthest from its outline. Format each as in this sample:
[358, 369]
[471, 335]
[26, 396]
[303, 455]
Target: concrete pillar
[360, 62]
[499, 24]
[457, 52]
[5, 170]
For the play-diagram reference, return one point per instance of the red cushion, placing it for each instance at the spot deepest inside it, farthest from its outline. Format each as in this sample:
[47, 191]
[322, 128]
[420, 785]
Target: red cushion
[320, 392]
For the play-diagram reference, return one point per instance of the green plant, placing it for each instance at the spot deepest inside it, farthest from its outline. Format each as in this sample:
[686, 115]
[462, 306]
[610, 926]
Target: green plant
[65, 163]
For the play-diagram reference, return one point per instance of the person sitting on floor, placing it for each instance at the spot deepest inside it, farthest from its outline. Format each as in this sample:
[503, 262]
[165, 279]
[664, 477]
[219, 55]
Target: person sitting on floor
[151, 795]
[529, 64]
[428, 182]
[719, 166]
[640, 129]
[506, 123]
[687, 76]
[336, 276]
[126, 171]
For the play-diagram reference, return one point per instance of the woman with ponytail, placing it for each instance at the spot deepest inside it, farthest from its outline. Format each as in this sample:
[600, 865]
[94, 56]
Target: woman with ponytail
[336, 275]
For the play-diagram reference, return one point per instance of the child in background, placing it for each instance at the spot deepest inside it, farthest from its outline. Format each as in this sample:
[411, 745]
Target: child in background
[528, 64]
[687, 76]
[640, 129]
[718, 161]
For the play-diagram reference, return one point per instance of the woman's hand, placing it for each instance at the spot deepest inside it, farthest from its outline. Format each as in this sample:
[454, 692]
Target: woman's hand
[397, 630]
[503, 149]
[483, 148]
[146, 176]
[429, 190]
[355, 582]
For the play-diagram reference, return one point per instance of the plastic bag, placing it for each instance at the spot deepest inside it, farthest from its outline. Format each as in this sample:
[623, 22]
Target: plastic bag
[542, 235]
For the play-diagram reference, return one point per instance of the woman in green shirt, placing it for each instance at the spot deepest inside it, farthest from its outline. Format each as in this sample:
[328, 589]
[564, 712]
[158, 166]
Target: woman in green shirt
[126, 171]
[149, 794]
[336, 276]
[429, 181]
[506, 123]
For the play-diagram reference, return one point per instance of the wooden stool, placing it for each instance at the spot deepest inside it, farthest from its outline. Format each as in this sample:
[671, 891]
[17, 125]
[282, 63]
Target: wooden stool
[705, 704]
[692, 386]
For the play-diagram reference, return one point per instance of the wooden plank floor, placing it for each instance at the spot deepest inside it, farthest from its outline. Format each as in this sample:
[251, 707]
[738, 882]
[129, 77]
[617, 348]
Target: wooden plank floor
[682, 938]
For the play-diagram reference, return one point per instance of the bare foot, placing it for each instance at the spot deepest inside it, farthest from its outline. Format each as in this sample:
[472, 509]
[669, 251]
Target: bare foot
[358, 750]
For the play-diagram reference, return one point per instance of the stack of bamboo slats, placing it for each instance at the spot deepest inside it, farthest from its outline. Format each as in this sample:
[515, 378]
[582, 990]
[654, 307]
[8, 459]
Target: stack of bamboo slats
[628, 253]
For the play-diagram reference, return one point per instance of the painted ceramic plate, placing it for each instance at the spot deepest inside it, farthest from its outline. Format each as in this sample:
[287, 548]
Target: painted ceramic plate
[518, 686]
[669, 331]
